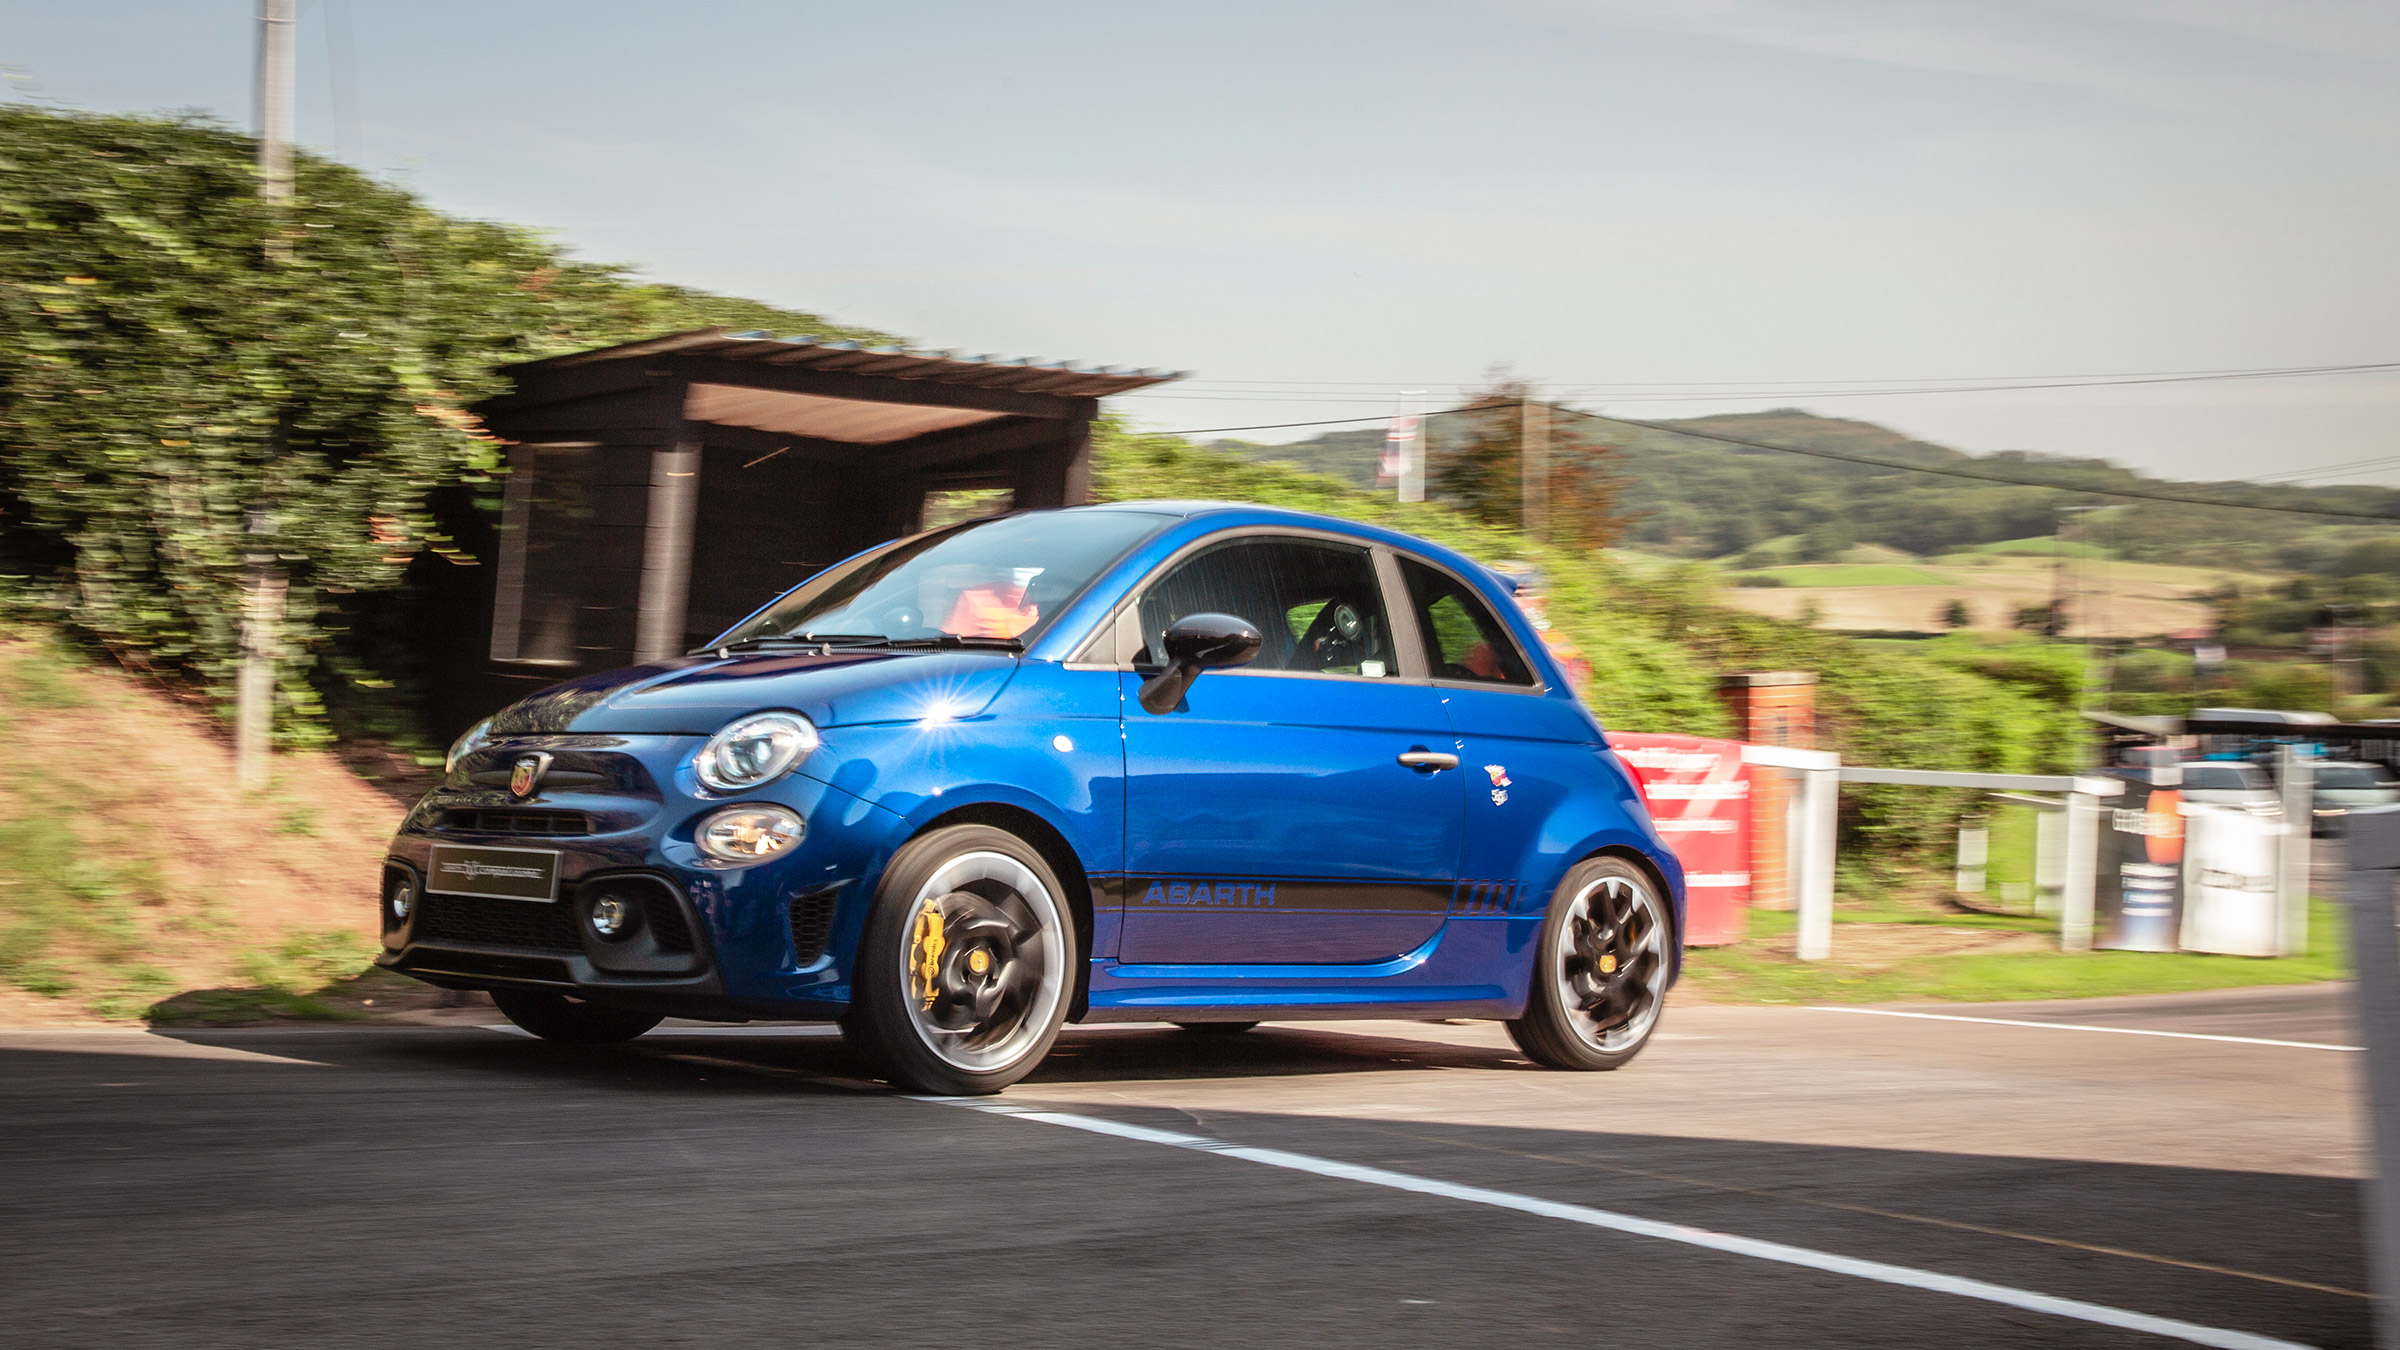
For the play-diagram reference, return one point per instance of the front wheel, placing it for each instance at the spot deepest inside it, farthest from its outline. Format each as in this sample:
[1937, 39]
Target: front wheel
[571, 1021]
[965, 966]
[1600, 974]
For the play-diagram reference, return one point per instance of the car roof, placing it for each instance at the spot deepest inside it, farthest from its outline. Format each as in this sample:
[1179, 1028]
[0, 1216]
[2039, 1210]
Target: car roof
[1256, 513]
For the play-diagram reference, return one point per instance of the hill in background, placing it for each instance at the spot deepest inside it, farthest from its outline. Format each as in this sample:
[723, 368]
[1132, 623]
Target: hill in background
[1692, 498]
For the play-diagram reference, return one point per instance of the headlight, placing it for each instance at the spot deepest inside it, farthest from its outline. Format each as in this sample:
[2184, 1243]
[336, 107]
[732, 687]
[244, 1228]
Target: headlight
[755, 751]
[749, 834]
[467, 745]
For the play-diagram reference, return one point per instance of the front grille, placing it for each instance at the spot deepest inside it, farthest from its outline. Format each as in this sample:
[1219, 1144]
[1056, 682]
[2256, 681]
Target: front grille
[544, 927]
[812, 921]
[517, 822]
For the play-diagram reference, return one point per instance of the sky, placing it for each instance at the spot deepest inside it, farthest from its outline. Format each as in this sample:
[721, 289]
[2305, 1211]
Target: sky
[1656, 208]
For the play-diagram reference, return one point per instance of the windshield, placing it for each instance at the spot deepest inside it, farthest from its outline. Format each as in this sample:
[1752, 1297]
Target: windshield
[2352, 776]
[2223, 777]
[992, 580]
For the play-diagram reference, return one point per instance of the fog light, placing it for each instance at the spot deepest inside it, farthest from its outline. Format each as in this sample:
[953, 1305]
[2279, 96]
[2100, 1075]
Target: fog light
[401, 895]
[611, 916]
[749, 834]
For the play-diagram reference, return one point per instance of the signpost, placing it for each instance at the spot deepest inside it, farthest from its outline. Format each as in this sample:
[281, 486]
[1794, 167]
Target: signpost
[2373, 840]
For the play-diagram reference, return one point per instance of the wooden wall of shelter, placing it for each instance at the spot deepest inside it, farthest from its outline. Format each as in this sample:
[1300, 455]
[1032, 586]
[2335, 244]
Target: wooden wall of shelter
[659, 491]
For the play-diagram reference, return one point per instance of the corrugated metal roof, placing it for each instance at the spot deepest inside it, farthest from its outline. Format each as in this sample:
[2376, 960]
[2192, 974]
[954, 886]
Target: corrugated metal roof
[1068, 379]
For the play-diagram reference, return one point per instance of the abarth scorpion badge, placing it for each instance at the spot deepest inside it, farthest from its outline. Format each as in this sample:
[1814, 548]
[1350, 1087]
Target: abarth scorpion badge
[525, 777]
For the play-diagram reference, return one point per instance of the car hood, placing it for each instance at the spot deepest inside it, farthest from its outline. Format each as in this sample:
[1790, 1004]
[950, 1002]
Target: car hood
[697, 695]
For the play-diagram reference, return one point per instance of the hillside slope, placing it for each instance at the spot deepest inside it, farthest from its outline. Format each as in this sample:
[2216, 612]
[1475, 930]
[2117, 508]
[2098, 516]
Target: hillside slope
[133, 873]
[1697, 498]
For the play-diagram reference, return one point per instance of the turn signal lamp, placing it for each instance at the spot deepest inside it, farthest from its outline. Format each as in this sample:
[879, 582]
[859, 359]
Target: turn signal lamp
[742, 835]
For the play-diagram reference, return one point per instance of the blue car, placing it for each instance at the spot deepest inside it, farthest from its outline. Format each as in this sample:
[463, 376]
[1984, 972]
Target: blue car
[1201, 763]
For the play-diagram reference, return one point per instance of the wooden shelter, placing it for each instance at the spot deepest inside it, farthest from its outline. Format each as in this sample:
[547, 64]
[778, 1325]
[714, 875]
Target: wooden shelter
[658, 491]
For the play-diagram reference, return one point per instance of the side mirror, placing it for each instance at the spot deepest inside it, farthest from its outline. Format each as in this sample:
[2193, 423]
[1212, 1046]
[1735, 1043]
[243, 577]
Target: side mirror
[1196, 643]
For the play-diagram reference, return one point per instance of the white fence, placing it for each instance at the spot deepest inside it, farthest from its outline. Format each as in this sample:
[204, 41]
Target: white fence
[2084, 799]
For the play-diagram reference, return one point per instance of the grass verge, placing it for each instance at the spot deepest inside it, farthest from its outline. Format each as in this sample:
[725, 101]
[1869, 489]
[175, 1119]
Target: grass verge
[1755, 971]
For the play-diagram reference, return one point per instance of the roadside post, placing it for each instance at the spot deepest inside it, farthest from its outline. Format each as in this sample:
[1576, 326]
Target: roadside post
[1813, 842]
[2374, 868]
[2296, 778]
[1974, 852]
[2084, 804]
[2049, 858]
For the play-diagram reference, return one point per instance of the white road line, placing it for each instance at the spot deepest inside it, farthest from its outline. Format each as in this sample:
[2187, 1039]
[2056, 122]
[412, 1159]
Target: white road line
[1652, 1228]
[2080, 1026]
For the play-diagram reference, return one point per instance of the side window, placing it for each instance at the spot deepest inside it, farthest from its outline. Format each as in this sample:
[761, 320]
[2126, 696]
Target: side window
[1463, 639]
[1316, 604]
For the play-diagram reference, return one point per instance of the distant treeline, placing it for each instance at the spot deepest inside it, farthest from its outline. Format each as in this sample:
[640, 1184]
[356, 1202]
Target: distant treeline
[1693, 498]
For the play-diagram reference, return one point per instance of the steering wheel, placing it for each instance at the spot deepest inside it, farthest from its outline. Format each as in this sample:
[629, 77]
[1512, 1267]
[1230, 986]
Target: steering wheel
[1339, 636]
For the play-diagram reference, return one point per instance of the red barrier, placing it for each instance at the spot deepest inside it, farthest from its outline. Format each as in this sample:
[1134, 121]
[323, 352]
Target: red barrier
[1699, 796]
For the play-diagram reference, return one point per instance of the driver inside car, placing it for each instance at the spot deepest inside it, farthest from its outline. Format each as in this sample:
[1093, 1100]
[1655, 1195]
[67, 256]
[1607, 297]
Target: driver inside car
[981, 603]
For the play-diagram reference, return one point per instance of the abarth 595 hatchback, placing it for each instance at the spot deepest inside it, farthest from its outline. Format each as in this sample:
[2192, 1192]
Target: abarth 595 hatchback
[1200, 763]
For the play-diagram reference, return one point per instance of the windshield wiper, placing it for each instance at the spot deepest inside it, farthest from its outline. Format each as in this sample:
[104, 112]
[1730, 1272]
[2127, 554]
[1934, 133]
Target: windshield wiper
[750, 644]
[963, 642]
[793, 642]
[843, 642]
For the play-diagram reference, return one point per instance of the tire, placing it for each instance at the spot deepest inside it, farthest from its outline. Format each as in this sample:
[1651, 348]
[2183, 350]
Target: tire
[572, 1021]
[1215, 1028]
[1600, 972]
[966, 1006]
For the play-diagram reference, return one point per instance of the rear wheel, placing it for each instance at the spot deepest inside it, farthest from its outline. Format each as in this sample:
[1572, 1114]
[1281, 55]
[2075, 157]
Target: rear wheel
[1600, 975]
[572, 1021]
[965, 966]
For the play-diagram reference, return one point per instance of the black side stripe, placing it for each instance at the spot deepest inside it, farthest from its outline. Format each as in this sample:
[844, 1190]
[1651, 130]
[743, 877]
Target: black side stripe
[1289, 895]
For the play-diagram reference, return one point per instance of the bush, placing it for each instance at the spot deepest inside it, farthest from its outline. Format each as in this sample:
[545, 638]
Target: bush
[189, 378]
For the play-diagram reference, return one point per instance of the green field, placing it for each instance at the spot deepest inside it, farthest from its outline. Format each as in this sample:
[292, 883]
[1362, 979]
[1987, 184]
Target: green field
[1847, 574]
[2040, 546]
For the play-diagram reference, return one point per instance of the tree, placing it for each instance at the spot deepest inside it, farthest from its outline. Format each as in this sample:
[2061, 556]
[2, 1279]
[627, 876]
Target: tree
[1955, 615]
[1482, 471]
[170, 403]
[2048, 619]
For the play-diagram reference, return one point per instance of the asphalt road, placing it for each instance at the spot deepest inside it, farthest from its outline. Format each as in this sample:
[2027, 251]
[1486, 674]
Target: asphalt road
[462, 1185]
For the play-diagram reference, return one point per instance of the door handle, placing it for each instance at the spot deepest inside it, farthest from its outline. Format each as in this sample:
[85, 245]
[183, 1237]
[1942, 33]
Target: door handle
[1433, 760]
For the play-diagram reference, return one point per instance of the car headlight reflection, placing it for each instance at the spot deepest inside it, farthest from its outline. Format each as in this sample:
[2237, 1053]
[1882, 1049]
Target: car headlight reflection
[467, 745]
[755, 751]
[749, 834]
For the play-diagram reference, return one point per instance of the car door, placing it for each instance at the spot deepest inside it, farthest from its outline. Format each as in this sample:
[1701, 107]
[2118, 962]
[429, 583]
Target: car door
[1521, 753]
[1269, 818]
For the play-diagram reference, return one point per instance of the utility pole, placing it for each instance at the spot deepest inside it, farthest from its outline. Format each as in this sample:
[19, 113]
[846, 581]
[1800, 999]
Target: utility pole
[263, 581]
[1412, 457]
[1533, 467]
[275, 24]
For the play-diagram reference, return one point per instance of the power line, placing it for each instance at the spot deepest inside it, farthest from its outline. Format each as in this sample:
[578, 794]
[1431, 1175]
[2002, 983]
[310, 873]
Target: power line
[1266, 390]
[1848, 459]
[2375, 463]
[1987, 477]
[1279, 426]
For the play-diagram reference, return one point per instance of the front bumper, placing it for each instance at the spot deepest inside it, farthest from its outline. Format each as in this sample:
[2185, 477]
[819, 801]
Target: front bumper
[769, 940]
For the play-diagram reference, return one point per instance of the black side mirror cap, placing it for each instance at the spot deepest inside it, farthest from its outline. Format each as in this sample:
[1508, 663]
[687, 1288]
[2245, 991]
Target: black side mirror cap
[1196, 643]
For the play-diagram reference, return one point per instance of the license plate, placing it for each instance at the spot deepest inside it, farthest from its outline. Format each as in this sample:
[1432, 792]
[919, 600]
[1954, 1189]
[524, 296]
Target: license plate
[494, 873]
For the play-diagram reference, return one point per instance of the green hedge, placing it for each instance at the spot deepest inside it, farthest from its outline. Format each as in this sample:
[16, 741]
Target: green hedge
[171, 400]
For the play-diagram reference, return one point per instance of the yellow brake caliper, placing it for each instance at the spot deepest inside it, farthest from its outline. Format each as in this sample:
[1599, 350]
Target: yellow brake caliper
[925, 952]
